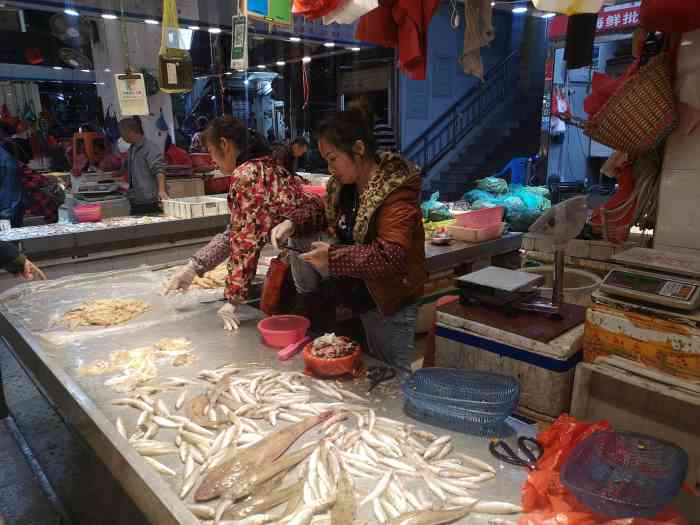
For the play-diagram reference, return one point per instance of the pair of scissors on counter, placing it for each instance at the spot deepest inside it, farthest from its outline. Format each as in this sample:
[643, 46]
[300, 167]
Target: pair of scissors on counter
[530, 448]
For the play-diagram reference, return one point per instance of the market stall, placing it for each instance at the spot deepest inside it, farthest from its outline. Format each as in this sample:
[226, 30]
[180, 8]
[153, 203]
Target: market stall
[63, 360]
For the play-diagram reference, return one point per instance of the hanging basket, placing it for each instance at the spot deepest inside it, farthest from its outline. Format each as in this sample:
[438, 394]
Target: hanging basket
[640, 114]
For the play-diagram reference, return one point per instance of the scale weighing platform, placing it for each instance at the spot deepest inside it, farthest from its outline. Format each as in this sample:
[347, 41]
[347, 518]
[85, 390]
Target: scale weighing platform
[657, 278]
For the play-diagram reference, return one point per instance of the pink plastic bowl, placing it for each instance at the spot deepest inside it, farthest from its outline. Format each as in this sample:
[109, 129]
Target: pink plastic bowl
[479, 219]
[280, 331]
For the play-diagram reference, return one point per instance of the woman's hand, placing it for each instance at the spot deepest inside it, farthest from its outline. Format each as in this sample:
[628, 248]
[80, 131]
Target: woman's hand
[229, 315]
[181, 280]
[280, 233]
[31, 272]
[318, 257]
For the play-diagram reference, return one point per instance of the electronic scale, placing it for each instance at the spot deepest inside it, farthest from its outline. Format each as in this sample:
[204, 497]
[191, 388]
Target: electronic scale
[666, 279]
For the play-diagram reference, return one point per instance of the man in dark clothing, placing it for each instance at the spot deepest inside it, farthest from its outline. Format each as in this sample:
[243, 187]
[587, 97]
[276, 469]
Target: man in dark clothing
[300, 146]
[12, 261]
[145, 167]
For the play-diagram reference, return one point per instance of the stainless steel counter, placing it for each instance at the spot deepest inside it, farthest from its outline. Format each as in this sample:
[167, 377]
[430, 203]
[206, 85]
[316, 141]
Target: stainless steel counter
[52, 356]
[441, 258]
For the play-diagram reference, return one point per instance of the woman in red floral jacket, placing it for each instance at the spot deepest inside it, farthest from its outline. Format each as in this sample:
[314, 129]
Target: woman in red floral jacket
[262, 195]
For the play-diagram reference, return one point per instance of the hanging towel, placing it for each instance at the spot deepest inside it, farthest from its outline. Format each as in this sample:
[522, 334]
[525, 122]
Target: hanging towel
[478, 32]
[402, 24]
[350, 11]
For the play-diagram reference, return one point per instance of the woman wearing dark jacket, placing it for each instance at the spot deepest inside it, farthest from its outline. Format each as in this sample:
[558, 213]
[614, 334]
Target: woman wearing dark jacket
[12, 261]
[376, 265]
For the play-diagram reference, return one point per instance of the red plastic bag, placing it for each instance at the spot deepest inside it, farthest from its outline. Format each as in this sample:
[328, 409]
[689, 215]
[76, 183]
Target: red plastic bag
[546, 501]
[272, 289]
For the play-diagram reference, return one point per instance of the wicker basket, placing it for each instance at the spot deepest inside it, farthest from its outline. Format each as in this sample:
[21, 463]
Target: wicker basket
[640, 114]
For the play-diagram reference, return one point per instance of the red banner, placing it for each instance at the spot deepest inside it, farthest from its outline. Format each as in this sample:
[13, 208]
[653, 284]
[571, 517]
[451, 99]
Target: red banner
[610, 20]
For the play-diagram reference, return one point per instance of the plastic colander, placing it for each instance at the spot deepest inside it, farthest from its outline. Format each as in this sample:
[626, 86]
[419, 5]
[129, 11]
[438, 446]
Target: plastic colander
[624, 475]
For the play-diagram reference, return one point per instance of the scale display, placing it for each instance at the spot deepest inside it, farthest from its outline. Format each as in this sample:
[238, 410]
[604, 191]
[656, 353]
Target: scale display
[649, 287]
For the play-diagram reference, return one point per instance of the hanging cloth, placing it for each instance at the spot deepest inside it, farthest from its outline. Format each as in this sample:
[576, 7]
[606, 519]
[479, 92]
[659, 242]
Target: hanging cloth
[161, 123]
[478, 32]
[401, 24]
[349, 11]
[580, 34]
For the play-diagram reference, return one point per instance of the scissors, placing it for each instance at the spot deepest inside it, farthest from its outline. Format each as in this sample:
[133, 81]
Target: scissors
[528, 447]
[379, 374]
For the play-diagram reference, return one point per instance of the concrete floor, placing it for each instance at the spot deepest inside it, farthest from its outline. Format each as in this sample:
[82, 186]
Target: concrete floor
[22, 499]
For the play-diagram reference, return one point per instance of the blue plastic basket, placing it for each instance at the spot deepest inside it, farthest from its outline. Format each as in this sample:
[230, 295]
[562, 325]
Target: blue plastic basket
[625, 475]
[461, 400]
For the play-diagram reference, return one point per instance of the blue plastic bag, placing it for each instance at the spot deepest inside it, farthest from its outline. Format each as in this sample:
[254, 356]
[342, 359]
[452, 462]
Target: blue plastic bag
[434, 210]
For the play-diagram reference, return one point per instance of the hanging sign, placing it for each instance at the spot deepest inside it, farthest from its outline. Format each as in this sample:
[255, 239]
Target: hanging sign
[239, 43]
[131, 93]
[278, 12]
[610, 20]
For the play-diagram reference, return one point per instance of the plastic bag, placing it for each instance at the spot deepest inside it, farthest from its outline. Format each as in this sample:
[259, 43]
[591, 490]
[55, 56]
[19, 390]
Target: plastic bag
[493, 185]
[435, 210]
[546, 501]
[351, 10]
[272, 289]
[174, 61]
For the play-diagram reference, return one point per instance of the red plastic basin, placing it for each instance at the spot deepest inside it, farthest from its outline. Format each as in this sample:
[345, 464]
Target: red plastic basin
[87, 212]
[478, 219]
[279, 331]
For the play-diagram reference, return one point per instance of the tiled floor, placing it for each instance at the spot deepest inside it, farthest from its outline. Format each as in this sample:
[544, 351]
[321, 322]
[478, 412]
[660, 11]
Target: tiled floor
[22, 501]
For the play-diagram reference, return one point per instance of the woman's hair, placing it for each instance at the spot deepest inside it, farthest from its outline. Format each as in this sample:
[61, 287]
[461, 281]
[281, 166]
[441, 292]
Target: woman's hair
[249, 143]
[202, 122]
[345, 128]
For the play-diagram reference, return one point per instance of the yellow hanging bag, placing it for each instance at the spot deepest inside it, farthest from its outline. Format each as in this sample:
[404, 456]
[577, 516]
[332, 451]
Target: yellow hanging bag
[174, 61]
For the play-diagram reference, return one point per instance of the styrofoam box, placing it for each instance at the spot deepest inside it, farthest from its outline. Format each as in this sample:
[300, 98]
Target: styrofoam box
[545, 370]
[194, 207]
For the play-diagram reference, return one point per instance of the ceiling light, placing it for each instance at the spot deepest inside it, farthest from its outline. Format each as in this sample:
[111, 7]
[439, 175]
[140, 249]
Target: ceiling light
[306, 60]
[262, 66]
[228, 73]
[213, 97]
[107, 70]
[519, 10]
[109, 16]
[549, 15]
[280, 62]
[71, 12]
[355, 49]
[246, 81]
[493, 4]
[329, 44]
[58, 68]
[85, 70]
[294, 39]
[215, 30]
[194, 28]
[151, 21]
[686, 43]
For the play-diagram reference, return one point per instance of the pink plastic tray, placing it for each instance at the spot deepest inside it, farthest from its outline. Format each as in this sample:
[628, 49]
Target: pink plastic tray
[482, 218]
[477, 235]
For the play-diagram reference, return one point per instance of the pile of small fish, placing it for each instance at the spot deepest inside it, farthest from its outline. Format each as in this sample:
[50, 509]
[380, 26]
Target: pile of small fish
[227, 456]
[330, 346]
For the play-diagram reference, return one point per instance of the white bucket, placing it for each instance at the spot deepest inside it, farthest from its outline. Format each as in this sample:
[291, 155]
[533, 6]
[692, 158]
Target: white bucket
[578, 284]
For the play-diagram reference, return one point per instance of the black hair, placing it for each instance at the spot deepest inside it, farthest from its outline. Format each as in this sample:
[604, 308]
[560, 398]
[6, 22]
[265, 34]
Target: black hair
[202, 122]
[345, 128]
[300, 141]
[131, 124]
[18, 150]
[250, 143]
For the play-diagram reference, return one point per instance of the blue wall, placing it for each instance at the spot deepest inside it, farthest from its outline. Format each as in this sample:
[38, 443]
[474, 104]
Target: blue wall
[422, 102]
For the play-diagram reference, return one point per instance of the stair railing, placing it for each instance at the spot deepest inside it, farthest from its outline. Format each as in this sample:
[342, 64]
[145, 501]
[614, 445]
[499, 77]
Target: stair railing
[465, 114]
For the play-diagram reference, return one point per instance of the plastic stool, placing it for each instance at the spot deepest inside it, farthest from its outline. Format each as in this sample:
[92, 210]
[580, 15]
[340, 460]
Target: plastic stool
[429, 358]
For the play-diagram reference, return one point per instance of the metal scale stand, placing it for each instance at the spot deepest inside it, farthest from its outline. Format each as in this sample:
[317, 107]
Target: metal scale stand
[517, 291]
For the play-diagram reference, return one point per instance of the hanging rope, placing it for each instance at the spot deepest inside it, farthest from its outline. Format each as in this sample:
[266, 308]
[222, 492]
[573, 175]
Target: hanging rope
[306, 84]
[125, 38]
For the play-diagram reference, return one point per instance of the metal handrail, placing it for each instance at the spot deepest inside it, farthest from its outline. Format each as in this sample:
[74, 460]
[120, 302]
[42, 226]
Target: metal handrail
[465, 114]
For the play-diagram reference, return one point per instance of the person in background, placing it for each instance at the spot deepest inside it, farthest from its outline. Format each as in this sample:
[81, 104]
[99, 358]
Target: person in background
[103, 160]
[262, 195]
[13, 262]
[377, 265]
[197, 145]
[175, 156]
[300, 147]
[291, 156]
[145, 169]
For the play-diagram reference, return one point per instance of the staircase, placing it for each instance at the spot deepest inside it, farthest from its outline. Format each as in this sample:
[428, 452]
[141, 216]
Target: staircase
[478, 135]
